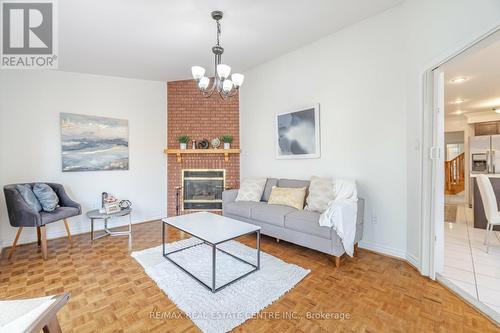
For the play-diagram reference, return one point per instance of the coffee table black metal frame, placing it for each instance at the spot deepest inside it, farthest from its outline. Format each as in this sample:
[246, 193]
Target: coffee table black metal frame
[214, 250]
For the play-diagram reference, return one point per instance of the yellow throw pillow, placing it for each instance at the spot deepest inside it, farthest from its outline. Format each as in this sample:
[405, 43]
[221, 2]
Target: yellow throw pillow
[293, 197]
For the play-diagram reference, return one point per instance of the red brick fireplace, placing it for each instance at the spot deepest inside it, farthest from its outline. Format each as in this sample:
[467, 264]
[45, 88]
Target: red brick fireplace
[199, 117]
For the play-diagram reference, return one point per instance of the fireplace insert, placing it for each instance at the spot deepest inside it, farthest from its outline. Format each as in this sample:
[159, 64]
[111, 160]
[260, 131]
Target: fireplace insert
[202, 189]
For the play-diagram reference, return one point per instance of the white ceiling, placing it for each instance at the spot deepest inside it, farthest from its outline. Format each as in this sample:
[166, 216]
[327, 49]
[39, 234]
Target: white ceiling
[162, 39]
[481, 92]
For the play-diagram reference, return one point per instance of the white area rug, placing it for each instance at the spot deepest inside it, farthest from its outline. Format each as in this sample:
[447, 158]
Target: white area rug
[231, 306]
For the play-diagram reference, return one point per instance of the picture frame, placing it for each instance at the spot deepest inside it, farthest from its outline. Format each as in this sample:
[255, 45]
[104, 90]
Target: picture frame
[298, 133]
[93, 143]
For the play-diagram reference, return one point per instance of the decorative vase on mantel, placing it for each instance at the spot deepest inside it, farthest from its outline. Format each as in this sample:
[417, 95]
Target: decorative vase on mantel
[227, 139]
[183, 141]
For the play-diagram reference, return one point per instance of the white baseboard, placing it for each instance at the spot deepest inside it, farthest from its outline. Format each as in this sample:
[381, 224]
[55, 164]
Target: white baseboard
[390, 251]
[85, 228]
[383, 249]
[30, 237]
[412, 260]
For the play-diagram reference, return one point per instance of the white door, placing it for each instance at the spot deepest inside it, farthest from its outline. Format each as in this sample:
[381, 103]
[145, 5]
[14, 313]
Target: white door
[437, 155]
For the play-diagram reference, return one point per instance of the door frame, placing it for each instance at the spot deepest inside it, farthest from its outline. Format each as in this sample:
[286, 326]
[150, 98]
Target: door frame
[431, 244]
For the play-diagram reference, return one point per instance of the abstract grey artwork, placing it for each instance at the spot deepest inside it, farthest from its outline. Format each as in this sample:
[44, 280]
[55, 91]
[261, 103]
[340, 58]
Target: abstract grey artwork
[91, 143]
[298, 133]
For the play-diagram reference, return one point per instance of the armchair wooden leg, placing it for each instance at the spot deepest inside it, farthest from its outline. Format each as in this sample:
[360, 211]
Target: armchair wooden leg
[38, 236]
[11, 251]
[44, 242]
[68, 232]
[356, 249]
[337, 261]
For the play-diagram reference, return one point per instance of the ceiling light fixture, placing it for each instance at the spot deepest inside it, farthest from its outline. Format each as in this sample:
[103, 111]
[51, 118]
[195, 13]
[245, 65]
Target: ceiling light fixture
[459, 112]
[459, 79]
[221, 83]
[458, 101]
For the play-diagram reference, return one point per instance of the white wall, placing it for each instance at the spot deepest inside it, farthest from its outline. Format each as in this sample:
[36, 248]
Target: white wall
[368, 80]
[455, 124]
[30, 144]
[481, 117]
[435, 30]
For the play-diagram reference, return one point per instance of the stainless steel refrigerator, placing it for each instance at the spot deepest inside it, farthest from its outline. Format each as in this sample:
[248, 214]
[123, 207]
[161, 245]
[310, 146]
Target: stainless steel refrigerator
[485, 154]
[484, 157]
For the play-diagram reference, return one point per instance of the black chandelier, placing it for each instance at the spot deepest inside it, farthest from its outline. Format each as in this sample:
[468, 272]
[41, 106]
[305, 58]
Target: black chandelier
[221, 83]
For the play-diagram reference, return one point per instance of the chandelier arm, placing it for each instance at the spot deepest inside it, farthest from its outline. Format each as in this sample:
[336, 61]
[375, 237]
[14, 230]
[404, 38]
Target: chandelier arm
[234, 92]
[210, 91]
[223, 95]
[207, 93]
[230, 94]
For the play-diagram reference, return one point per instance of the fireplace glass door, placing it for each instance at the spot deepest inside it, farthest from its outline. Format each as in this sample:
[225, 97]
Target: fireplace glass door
[202, 189]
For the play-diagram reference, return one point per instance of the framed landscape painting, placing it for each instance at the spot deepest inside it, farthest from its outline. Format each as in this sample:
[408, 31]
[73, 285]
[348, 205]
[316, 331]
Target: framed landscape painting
[92, 143]
[297, 133]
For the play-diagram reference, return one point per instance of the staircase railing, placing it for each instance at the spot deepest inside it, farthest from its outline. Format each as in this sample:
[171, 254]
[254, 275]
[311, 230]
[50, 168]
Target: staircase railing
[455, 173]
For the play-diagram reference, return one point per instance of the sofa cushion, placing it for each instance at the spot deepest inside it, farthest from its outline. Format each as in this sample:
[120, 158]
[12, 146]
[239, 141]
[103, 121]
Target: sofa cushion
[251, 189]
[307, 222]
[287, 196]
[269, 187]
[293, 183]
[29, 197]
[58, 214]
[321, 192]
[272, 214]
[46, 196]
[241, 208]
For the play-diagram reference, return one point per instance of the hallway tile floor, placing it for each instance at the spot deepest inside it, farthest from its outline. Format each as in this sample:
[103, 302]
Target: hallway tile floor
[466, 263]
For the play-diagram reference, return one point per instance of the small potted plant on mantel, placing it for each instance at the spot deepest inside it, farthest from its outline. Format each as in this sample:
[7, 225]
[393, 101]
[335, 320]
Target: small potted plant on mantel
[227, 139]
[183, 140]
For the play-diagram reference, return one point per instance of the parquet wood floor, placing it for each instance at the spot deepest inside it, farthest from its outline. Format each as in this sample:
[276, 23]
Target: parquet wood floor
[111, 293]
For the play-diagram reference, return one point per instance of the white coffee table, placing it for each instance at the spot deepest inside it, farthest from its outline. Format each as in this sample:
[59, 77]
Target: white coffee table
[212, 229]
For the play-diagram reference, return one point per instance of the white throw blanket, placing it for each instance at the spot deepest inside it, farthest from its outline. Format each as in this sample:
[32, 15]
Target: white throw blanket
[342, 212]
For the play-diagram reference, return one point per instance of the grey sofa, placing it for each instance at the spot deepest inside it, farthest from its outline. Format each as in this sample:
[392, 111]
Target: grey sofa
[21, 215]
[300, 227]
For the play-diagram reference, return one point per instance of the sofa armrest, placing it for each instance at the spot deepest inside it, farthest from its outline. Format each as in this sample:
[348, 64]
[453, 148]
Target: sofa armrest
[20, 214]
[228, 196]
[64, 199]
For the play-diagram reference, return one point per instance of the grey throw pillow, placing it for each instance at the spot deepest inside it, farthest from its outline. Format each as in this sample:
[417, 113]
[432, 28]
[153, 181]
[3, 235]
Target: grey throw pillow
[251, 189]
[47, 197]
[321, 192]
[29, 197]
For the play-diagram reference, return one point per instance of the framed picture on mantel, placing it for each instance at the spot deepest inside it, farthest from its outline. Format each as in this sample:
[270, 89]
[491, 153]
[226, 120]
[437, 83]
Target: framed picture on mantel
[297, 133]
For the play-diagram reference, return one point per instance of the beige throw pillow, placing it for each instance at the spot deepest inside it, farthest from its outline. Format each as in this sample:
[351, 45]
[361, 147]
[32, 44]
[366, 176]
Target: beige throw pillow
[321, 192]
[251, 189]
[293, 197]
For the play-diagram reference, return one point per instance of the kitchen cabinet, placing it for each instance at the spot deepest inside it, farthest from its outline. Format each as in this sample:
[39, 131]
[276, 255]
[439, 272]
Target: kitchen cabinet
[489, 128]
[479, 215]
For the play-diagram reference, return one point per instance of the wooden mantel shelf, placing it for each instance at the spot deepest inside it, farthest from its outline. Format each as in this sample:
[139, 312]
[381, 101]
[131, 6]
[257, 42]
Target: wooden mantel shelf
[180, 152]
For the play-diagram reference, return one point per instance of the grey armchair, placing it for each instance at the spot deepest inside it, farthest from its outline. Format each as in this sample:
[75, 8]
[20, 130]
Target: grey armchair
[21, 215]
